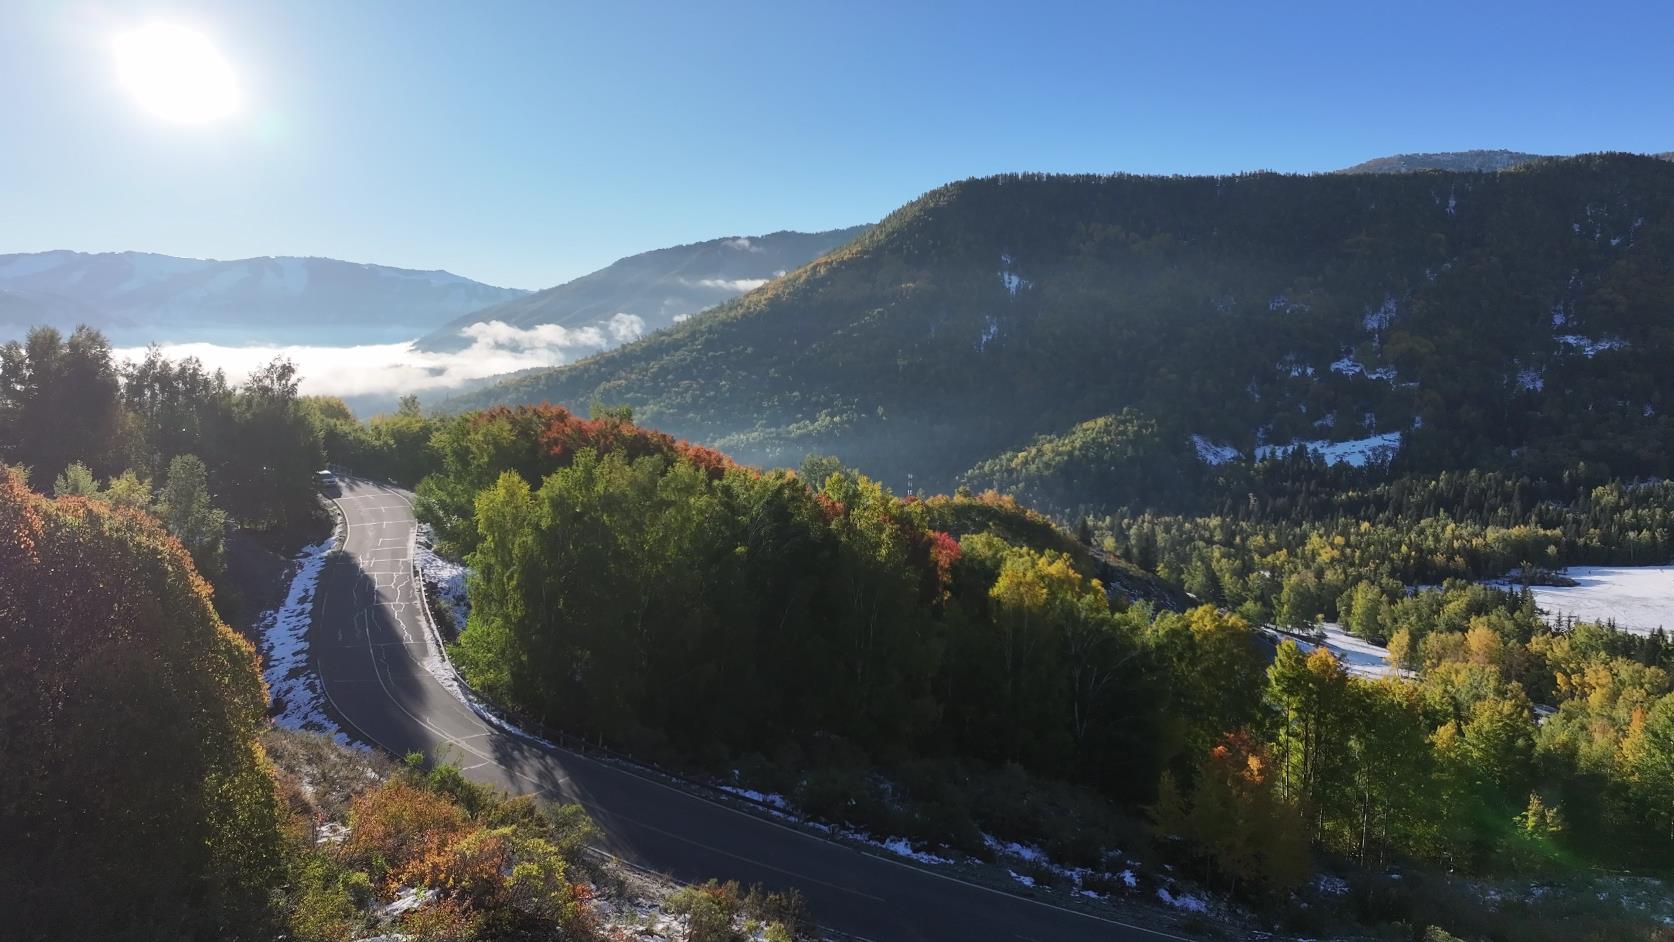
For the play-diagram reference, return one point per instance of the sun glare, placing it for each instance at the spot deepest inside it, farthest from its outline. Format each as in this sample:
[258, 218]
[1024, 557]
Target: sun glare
[176, 74]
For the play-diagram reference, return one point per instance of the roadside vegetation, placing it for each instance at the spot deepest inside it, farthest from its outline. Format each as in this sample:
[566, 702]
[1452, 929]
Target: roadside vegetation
[953, 670]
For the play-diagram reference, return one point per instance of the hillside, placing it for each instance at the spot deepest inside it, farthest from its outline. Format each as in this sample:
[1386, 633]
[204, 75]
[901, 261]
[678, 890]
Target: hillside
[653, 289]
[1511, 319]
[139, 297]
[1461, 161]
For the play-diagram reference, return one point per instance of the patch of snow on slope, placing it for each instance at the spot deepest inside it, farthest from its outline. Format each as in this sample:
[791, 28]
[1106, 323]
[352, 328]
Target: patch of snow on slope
[1639, 599]
[900, 847]
[1358, 656]
[765, 798]
[1356, 453]
[1211, 453]
[1380, 317]
[1590, 347]
[1349, 366]
[291, 681]
[1184, 901]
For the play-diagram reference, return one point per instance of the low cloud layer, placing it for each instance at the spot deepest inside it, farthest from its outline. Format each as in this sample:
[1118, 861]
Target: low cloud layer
[388, 369]
[740, 285]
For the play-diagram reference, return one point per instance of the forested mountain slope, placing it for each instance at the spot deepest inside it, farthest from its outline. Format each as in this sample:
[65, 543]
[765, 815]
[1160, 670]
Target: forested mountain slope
[1455, 160]
[1459, 160]
[1515, 319]
[654, 289]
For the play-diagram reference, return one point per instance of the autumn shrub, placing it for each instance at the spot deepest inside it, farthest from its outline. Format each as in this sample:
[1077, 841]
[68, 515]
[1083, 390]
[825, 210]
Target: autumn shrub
[393, 826]
[136, 800]
[709, 910]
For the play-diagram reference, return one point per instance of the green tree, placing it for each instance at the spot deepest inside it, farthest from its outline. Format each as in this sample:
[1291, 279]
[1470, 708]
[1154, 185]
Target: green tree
[187, 511]
[75, 481]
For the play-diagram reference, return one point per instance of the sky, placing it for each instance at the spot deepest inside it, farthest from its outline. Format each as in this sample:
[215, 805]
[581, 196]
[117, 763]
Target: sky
[526, 144]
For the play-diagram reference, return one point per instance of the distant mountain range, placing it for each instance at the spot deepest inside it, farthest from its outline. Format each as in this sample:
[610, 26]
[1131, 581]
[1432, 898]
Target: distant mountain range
[140, 296]
[652, 290]
[1461, 161]
[1520, 319]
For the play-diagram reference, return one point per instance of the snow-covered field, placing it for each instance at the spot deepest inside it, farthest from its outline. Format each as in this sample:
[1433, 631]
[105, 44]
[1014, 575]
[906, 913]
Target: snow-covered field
[1638, 598]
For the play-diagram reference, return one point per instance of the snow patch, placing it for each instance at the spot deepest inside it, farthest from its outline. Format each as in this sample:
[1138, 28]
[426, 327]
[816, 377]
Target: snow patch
[1358, 656]
[1184, 901]
[1379, 318]
[1356, 453]
[1330, 885]
[1210, 453]
[765, 798]
[901, 847]
[444, 577]
[1349, 366]
[292, 684]
[1589, 347]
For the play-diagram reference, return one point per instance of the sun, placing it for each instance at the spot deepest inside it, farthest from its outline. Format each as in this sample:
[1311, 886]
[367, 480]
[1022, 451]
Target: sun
[176, 74]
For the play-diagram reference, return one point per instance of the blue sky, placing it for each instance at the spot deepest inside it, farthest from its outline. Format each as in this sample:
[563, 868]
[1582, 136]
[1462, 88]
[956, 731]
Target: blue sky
[525, 144]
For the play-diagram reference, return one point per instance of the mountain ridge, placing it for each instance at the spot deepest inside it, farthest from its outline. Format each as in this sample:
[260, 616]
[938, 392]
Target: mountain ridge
[1255, 311]
[655, 289]
[146, 291]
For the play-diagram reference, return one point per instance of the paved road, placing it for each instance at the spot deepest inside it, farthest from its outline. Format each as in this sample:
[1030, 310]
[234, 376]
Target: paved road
[370, 641]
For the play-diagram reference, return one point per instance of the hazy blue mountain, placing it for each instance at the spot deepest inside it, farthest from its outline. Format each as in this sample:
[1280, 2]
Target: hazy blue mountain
[653, 289]
[138, 296]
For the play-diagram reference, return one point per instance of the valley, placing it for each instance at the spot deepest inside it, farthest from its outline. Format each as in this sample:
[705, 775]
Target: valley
[802, 473]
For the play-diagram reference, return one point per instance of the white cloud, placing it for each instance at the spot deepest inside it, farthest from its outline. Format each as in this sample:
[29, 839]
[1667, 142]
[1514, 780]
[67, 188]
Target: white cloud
[626, 327]
[745, 244]
[682, 317]
[504, 335]
[739, 285]
[392, 368]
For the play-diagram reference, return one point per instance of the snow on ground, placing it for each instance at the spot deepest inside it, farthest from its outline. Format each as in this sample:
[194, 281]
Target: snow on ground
[291, 682]
[1212, 453]
[765, 798]
[1185, 901]
[1590, 347]
[1358, 656]
[1349, 366]
[1639, 598]
[443, 576]
[1356, 453]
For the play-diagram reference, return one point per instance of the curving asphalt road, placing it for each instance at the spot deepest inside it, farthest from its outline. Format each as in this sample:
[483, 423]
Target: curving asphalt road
[370, 640]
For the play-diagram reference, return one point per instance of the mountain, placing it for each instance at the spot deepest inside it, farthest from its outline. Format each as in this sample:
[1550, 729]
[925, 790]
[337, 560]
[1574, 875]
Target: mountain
[1463, 161]
[654, 289]
[144, 296]
[1518, 319]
